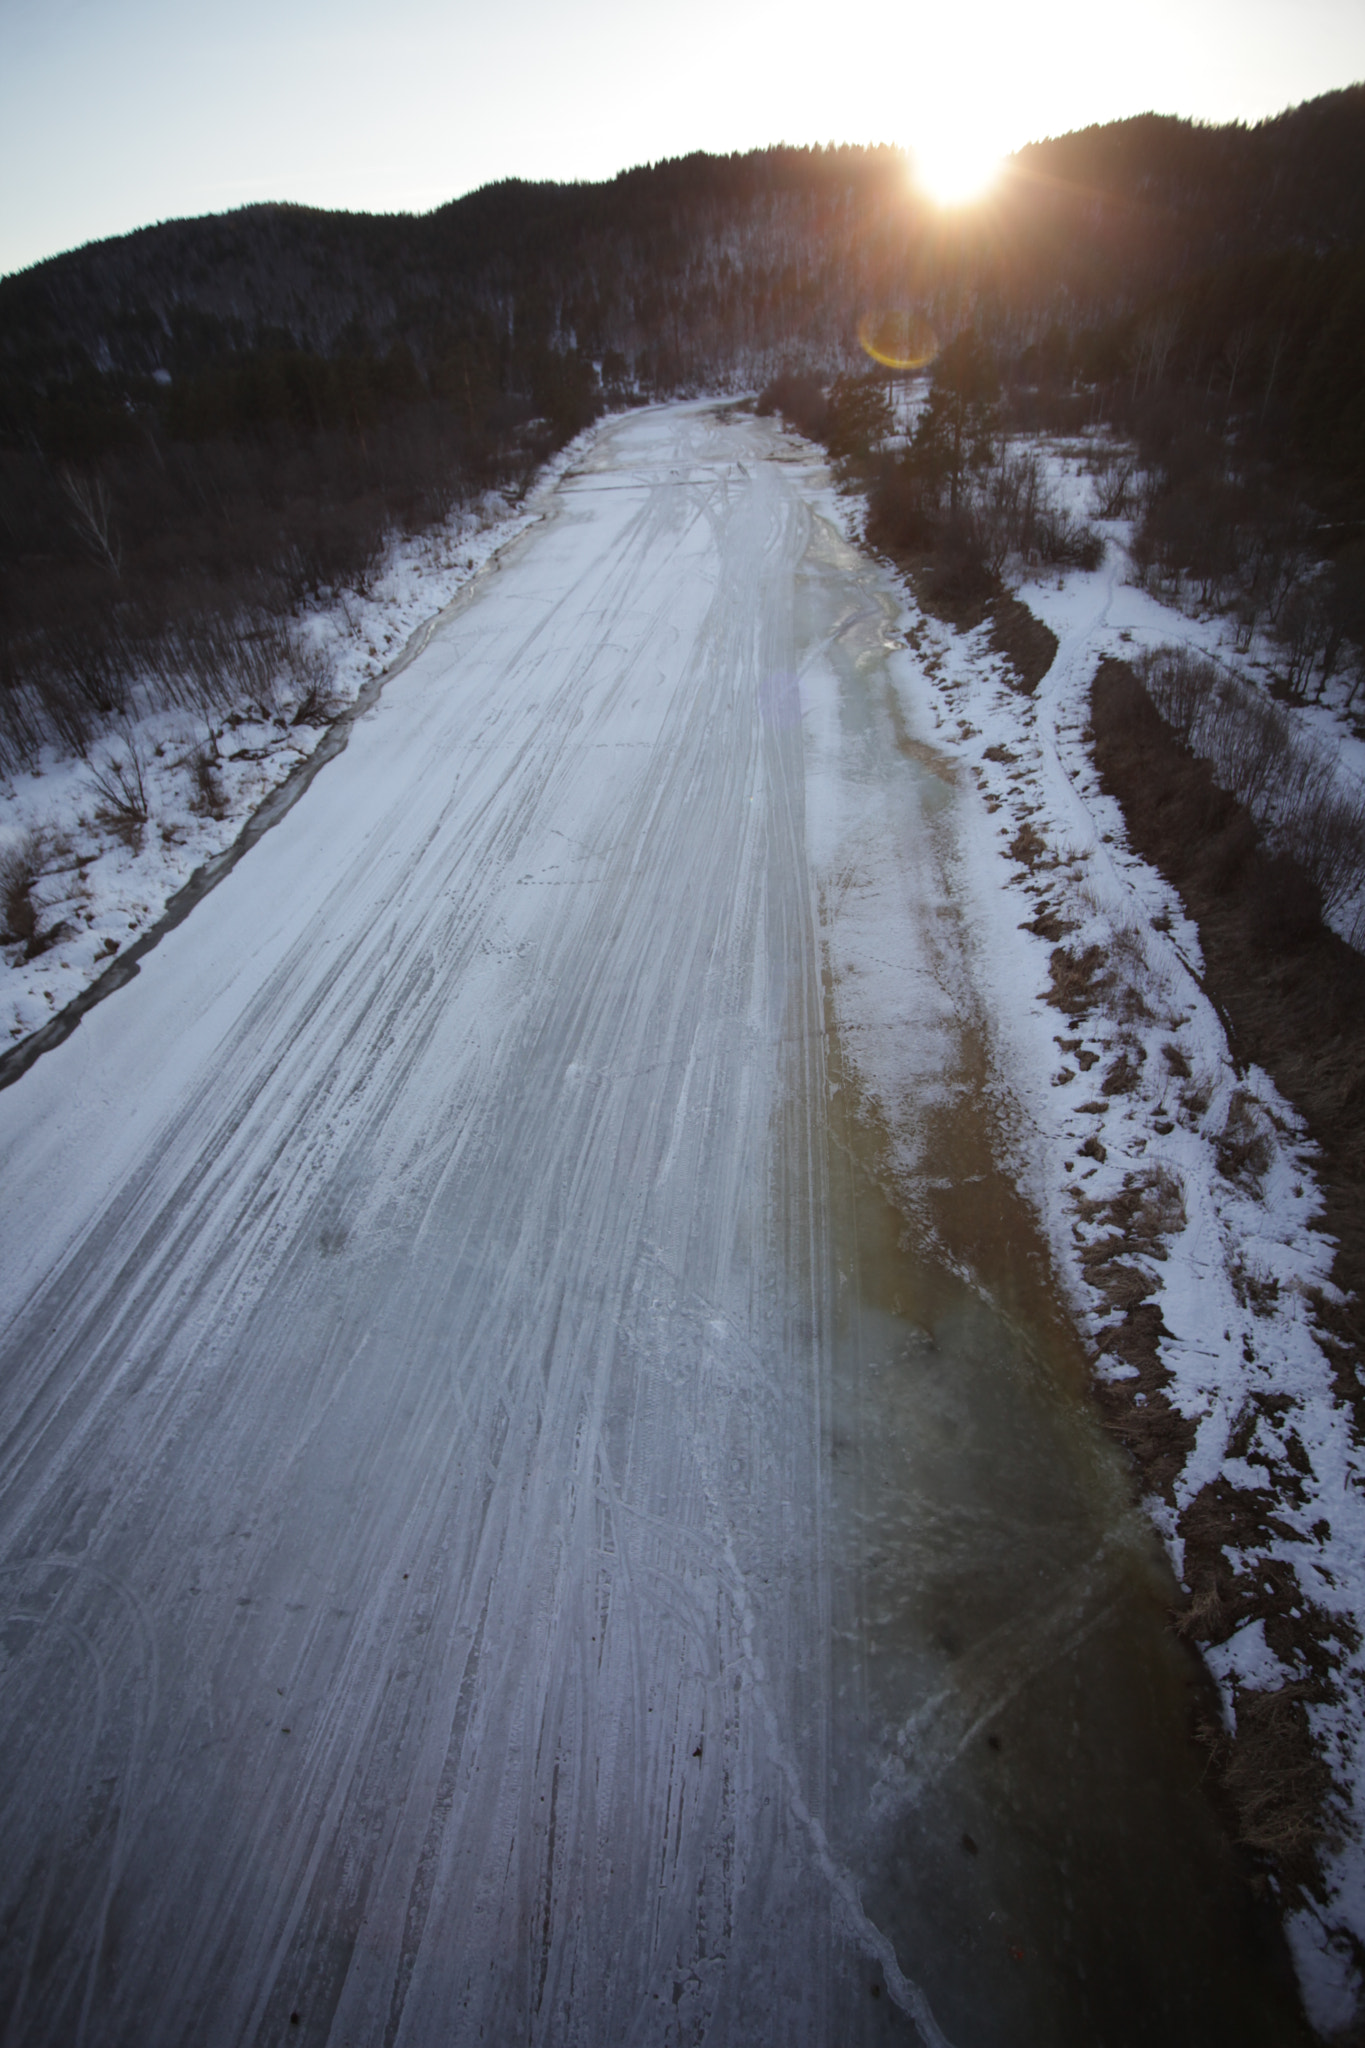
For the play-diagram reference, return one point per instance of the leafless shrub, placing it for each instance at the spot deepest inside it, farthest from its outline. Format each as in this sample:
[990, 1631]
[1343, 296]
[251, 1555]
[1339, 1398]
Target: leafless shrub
[1285, 778]
[92, 516]
[1303, 631]
[121, 791]
[1328, 839]
[1016, 520]
[1113, 470]
[31, 714]
[1247, 616]
[22, 866]
[1245, 737]
[312, 671]
[1000, 516]
[317, 706]
[1250, 743]
[1066, 543]
[208, 799]
[1179, 684]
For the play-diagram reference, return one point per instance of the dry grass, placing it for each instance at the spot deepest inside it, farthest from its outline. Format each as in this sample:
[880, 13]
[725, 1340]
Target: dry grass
[1138, 1410]
[1278, 1786]
[1243, 1147]
[1077, 980]
[1027, 847]
[1123, 1075]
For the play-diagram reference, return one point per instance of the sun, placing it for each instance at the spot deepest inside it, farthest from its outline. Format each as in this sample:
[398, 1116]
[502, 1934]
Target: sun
[954, 167]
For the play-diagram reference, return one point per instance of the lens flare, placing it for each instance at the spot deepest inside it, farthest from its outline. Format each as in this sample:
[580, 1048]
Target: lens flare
[899, 341]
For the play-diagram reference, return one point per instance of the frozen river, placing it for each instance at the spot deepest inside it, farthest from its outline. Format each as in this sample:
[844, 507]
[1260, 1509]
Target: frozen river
[506, 1536]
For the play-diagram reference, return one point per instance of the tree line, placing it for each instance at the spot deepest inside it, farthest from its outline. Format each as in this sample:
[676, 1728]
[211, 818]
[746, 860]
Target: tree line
[211, 420]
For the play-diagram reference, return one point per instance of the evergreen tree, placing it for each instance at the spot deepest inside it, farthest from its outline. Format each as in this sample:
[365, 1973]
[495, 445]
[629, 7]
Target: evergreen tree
[859, 414]
[955, 429]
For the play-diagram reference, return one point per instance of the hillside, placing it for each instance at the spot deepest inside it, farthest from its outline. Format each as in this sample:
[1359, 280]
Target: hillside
[696, 268]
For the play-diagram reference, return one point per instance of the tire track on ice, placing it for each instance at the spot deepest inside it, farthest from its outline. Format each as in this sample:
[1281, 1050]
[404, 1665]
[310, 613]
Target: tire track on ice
[440, 1353]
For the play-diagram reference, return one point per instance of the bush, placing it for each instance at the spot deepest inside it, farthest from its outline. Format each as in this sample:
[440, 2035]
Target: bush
[902, 513]
[800, 398]
[961, 576]
[120, 791]
[858, 415]
[23, 865]
[1003, 517]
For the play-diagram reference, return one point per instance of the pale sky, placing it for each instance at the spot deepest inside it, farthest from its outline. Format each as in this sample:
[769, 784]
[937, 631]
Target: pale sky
[116, 113]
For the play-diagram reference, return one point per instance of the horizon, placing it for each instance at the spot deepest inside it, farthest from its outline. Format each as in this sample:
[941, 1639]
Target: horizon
[112, 122]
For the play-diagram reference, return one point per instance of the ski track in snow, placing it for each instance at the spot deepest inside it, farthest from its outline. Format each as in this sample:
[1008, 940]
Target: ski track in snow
[410, 1482]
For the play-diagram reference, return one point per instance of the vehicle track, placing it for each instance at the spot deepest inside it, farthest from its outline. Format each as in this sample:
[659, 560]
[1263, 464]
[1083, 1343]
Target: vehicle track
[438, 1353]
[477, 1574]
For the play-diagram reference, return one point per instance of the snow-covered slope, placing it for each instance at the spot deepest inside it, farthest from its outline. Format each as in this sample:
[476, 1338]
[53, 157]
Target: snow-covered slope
[1161, 1170]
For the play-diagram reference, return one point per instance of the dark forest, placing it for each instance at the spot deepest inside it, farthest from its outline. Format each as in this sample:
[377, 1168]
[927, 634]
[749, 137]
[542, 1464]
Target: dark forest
[206, 422]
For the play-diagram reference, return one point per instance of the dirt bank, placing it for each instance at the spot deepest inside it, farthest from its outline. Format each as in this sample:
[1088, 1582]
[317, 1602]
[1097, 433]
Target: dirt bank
[1292, 995]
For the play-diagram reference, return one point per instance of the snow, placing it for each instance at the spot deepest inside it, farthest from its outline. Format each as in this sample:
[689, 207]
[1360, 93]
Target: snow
[412, 1485]
[102, 885]
[1246, 1657]
[419, 1390]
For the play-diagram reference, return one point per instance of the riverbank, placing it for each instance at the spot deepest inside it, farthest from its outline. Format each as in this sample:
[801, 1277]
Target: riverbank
[1188, 1212]
[94, 849]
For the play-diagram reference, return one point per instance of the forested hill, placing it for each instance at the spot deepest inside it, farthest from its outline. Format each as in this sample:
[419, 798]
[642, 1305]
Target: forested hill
[206, 422]
[697, 268]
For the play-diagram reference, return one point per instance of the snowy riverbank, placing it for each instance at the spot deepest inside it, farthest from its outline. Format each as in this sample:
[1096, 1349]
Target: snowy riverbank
[102, 880]
[1167, 1177]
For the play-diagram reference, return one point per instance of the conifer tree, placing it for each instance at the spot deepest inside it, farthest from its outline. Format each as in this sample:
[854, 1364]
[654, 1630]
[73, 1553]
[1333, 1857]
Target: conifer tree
[955, 429]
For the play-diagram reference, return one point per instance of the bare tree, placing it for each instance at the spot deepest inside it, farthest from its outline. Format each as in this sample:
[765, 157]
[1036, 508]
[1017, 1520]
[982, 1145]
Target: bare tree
[92, 515]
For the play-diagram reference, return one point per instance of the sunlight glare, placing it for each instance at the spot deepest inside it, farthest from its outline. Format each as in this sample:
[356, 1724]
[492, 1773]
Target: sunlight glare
[954, 168]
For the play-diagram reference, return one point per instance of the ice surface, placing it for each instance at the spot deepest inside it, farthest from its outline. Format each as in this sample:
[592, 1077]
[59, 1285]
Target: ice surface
[437, 1479]
[411, 1399]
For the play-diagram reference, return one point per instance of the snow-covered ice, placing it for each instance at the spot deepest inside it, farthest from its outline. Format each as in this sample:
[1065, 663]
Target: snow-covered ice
[481, 1564]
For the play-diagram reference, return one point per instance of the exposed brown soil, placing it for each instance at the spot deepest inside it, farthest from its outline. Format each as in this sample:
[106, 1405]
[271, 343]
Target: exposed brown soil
[964, 602]
[1291, 992]
[1292, 996]
[1027, 644]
